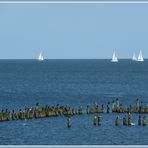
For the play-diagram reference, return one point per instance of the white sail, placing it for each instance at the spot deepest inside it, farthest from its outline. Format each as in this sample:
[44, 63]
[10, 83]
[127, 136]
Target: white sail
[134, 57]
[114, 58]
[40, 58]
[140, 57]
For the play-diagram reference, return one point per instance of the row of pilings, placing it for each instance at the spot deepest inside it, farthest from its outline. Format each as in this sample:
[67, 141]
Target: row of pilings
[54, 111]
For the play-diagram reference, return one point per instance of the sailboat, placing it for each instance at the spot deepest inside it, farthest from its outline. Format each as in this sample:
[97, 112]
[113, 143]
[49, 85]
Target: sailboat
[114, 58]
[134, 57]
[140, 57]
[40, 58]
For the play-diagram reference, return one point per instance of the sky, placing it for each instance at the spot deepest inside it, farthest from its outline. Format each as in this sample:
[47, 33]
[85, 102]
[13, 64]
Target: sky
[73, 31]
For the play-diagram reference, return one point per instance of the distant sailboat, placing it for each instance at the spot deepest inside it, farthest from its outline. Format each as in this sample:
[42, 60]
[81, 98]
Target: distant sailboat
[114, 58]
[134, 57]
[140, 57]
[40, 58]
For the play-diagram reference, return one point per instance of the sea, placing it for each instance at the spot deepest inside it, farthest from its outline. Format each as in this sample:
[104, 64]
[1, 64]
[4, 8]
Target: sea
[74, 83]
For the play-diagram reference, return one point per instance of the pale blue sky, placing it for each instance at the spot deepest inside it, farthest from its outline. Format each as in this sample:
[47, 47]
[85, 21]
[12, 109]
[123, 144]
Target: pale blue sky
[73, 30]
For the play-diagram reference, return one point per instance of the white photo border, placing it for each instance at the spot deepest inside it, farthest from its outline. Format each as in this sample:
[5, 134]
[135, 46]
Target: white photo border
[74, 2]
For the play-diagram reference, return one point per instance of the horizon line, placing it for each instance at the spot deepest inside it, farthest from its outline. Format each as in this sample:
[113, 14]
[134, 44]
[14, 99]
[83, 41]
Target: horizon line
[75, 2]
[67, 59]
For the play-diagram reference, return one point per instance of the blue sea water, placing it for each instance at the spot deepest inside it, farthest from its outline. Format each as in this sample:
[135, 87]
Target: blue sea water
[76, 83]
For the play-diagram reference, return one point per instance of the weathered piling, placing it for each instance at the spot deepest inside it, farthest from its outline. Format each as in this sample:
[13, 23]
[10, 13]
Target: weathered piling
[144, 121]
[117, 120]
[108, 108]
[87, 109]
[129, 119]
[99, 120]
[4, 115]
[113, 106]
[95, 120]
[69, 123]
[124, 120]
[139, 120]
[137, 105]
[102, 108]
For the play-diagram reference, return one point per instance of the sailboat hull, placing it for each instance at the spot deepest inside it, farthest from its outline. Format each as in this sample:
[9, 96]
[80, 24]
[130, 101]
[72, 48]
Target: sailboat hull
[140, 60]
[114, 60]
